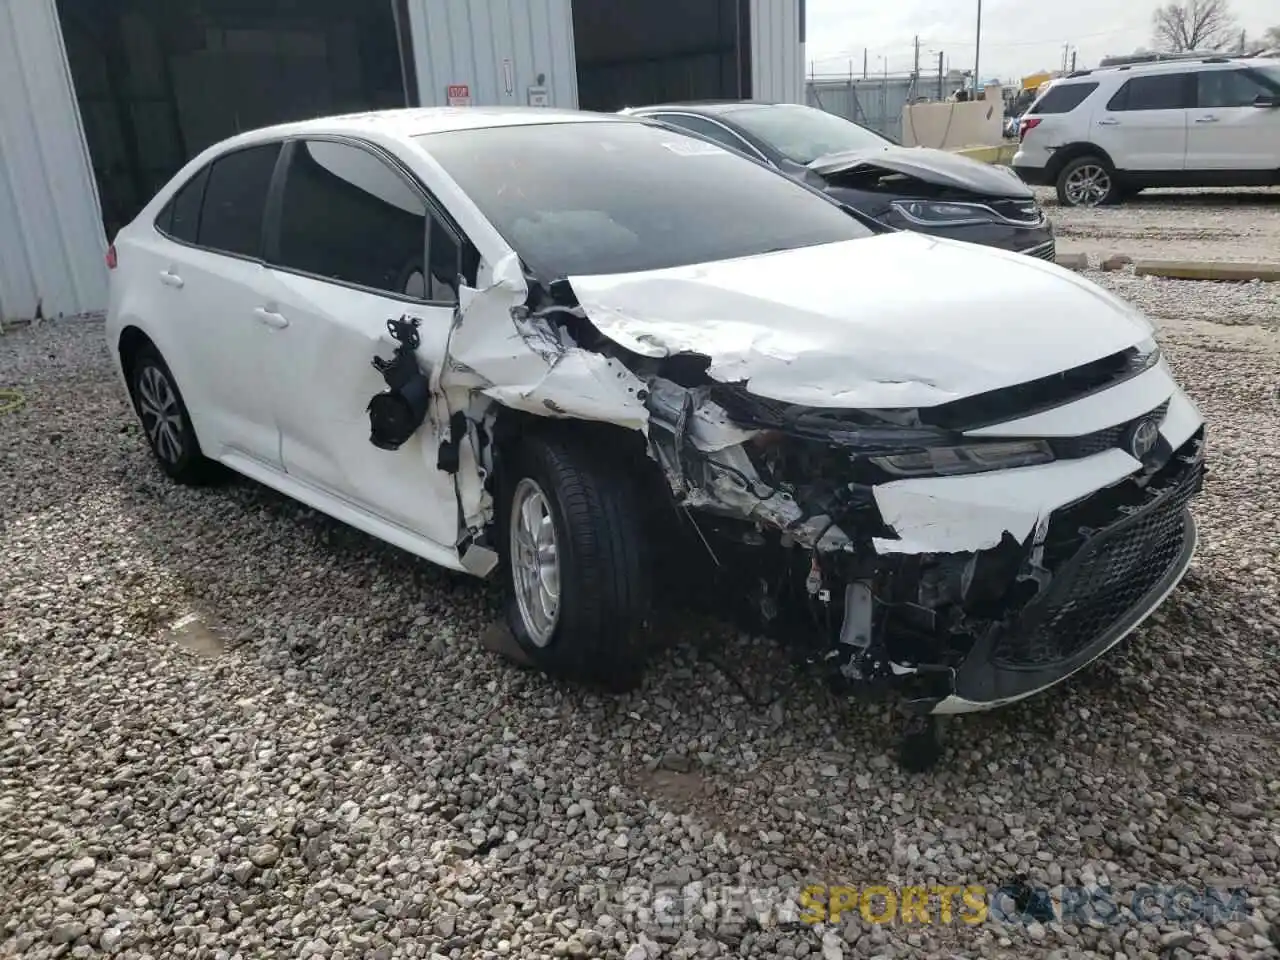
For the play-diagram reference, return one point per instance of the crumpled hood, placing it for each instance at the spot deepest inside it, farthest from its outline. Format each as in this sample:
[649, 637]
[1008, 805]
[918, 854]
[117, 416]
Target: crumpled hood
[895, 320]
[933, 166]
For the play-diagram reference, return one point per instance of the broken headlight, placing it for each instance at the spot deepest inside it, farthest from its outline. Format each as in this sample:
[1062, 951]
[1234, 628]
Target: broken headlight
[971, 458]
[938, 213]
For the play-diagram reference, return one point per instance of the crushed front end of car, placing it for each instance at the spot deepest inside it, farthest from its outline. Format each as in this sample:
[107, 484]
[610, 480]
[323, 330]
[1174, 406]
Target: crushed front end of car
[958, 571]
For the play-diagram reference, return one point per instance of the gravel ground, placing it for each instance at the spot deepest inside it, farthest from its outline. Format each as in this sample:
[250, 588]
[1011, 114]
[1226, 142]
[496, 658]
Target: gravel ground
[1174, 225]
[233, 727]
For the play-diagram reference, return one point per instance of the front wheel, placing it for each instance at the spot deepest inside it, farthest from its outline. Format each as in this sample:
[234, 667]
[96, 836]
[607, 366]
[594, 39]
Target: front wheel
[575, 562]
[1087, 182]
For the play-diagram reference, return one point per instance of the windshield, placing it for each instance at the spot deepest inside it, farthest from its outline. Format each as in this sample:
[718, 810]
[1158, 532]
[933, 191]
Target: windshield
[624, 196]
[803, 134]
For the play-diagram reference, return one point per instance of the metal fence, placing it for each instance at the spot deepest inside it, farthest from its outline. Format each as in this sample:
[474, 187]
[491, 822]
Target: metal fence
[874, 102]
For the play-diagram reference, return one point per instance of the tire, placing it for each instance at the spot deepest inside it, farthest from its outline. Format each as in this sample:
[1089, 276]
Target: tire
[165, 421]
[601, 576]
[1087, 181]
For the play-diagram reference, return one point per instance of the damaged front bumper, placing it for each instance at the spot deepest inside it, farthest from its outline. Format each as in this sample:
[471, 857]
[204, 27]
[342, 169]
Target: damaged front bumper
[956, 593]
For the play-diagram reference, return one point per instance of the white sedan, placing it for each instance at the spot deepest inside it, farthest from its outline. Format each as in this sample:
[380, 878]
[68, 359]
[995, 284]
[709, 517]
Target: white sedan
[593, 356]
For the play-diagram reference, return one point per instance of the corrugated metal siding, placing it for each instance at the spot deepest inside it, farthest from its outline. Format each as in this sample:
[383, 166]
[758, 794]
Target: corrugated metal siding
[466, 41]
[777, 55]
[876, 102]
[51, 238]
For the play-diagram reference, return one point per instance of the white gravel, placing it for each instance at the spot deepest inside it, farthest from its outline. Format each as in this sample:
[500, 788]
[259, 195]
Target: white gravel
[235, 728]
[1241, 225]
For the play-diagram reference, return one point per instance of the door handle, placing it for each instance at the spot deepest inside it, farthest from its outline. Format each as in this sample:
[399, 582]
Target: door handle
[271, 318]
[1108, 123]
[170, 279]
[1206, 119]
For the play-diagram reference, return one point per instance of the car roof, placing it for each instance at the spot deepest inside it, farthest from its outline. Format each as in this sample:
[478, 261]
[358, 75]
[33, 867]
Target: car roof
[708, 107]
[1183, 65]
[410, 122]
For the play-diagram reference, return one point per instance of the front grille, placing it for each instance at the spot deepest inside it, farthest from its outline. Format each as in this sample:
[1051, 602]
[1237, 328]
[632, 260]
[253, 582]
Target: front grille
[1106, 577]
[1073, 448]
[1043, 251]
[1022, 211]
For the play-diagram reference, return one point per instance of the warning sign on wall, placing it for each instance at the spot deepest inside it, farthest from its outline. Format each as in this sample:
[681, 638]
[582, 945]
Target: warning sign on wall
[459, 95]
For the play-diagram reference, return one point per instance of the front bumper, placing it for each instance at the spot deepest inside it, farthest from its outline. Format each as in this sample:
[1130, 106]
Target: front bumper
[1016, 238]
[1034, 176]
[1104, 539]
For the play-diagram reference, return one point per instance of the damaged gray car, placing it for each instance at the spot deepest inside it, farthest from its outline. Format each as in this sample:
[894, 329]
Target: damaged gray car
[601, 359]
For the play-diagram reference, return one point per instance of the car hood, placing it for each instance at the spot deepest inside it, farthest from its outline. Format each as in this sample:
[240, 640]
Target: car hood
[931, 166]
[895, 320]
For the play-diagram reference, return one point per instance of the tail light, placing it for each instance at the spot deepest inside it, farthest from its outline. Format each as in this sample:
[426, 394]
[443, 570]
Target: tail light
[1026, 125]
[111, 257]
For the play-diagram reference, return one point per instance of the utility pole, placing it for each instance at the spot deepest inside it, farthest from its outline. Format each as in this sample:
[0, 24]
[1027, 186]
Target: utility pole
[915, 71]
[977, 52]
[940, 77]
[864, 63]
[1073, 60]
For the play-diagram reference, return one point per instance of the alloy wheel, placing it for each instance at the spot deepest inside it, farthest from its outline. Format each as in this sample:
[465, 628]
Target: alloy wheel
[535, 561]
[1088, 185]
[161, 415]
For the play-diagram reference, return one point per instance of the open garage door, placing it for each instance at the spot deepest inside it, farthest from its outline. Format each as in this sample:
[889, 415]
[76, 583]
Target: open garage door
[635, 52]
[159, 80]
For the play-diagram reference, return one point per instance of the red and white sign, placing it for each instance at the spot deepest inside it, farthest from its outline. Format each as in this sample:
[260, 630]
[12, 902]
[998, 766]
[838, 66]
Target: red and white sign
[459, 95]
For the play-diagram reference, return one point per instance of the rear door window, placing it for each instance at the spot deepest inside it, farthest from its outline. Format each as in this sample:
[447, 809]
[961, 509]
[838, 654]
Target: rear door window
[1165, 91]
[1063, 99]
[235, 200]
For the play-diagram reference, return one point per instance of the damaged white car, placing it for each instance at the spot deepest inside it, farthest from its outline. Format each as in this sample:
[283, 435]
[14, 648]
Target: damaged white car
[593, 356]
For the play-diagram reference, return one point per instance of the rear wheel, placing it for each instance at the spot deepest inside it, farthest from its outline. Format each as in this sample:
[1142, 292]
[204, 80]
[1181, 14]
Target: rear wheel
[575, 561]
[1087, 182]
[165, 420]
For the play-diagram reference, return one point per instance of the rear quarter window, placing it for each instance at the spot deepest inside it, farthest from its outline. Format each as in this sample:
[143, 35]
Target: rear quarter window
[1063, 99]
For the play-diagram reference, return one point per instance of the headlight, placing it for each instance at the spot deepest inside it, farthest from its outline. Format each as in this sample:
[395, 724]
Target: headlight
[971, 458]
[939, 213]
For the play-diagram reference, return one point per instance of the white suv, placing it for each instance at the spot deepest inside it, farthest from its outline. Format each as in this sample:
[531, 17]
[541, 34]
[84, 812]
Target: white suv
[1099, 135]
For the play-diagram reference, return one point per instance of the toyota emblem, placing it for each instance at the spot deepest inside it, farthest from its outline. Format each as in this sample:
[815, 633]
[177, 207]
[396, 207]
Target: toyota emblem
[1142, 438]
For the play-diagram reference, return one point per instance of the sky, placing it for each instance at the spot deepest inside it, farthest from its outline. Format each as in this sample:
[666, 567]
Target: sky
[1019, 37]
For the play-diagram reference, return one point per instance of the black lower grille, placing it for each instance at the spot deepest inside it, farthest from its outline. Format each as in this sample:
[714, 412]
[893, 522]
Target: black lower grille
[1106, 577]
[1045, 251]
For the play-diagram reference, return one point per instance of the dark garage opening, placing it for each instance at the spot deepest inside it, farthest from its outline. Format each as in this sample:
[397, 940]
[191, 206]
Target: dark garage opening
[159, 80]
[652, 51]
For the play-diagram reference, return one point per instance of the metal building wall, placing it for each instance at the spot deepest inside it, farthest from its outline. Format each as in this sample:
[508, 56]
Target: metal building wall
[497, 47]
[777, 50]
[51, 237]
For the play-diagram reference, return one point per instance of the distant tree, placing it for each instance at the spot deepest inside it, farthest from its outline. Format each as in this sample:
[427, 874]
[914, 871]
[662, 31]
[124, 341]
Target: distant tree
[1272, 37]
[1194, 25]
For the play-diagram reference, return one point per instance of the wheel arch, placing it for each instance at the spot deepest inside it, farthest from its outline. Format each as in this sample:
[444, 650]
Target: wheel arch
[1072, 151]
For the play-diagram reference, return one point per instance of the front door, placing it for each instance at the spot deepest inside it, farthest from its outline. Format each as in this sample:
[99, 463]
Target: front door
[1227, 132]
[349, 254]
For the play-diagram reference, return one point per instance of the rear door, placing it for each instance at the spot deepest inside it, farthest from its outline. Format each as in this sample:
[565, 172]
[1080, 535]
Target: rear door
[1144, 125]
[212, 275]
[1227, 132]
[357, 242]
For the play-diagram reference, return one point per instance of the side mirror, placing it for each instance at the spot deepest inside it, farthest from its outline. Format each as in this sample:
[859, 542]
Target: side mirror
[1267, 101]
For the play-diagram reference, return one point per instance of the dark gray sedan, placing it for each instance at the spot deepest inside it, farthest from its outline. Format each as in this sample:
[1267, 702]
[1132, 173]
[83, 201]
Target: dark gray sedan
[912, 188]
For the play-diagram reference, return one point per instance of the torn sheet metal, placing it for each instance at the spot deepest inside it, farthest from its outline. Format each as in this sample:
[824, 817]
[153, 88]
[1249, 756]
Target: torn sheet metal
[849, 325]
[498, 348]
[970, 513]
